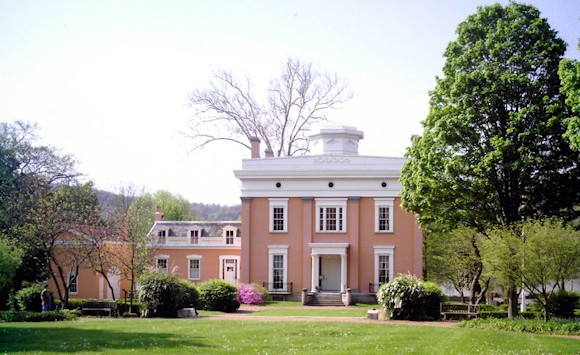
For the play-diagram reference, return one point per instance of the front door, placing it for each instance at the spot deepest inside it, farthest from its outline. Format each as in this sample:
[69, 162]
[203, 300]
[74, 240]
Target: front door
[330, 273]
[230, 270]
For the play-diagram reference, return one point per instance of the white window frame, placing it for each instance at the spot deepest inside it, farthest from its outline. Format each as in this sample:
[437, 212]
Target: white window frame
[76, 283]
[162, 257]
[198, 236]
[283, 204]
[324, 204]
[384, 203]
[384, 250]
[189, 259]
[277, 250]
[234, 231]
[221, 270]
[162, 236]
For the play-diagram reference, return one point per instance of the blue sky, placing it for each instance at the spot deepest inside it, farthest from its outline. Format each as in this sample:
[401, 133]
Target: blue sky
[107, 81]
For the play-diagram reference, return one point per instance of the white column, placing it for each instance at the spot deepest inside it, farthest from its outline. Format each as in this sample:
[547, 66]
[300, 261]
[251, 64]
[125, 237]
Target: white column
[343, 273]
[315, 271]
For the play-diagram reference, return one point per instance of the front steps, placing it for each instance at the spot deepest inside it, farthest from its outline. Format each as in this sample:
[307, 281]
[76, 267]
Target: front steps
[325, 299]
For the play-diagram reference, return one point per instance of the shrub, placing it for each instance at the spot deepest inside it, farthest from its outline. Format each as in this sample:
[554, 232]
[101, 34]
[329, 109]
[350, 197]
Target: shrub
[218, 295]
[563, 303]
[75, 303]
[190, 295]
[160, 294]
[24, 316]
[432, 297]
[553, 326]
[251, 294]
[402, 298]
[28, 298]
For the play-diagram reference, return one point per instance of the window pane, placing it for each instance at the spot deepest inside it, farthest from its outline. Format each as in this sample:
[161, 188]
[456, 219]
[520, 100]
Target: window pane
[72, 281]
[383, 268]
[194, 269]
[277, 271]
[384, 219]
[278, 218]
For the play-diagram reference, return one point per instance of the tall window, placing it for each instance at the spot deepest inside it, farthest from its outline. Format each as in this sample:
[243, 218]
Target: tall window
[383, 266]
[194, 237]
[384, 215]
[229, 237]
[194, 269]
[384, 258]
[384, 223]
[278, 268]
[278, 215]
[161, 264]
[277, 272]
[331, 215]
[73, 283]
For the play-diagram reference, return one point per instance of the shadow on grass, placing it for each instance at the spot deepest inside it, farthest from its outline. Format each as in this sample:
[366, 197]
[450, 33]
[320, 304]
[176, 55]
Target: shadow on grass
[70, 339]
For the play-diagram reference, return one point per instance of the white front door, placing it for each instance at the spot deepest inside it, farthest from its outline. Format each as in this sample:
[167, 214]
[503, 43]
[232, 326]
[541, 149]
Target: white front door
[230, 270]
[330, 272]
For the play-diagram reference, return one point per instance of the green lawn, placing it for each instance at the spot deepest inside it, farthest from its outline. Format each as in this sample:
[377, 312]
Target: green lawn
[310, 312]
[211, 336]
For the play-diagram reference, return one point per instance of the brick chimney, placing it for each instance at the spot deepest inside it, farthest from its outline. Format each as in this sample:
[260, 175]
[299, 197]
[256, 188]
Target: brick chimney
[269, 153]
[159, 216]
[255, 144]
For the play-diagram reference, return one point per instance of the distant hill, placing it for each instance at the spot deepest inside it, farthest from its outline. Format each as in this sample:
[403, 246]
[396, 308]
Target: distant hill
[215, 212]
[203, 212]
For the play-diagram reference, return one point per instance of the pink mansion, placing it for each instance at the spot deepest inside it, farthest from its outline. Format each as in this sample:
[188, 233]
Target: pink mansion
[329, 222]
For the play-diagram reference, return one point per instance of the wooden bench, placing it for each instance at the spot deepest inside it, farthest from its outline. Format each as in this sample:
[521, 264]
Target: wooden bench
[459, 310]
[100, 306]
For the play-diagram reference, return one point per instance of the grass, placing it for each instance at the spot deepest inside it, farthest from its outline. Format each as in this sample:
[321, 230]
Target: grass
[310, 312]
[207, 335]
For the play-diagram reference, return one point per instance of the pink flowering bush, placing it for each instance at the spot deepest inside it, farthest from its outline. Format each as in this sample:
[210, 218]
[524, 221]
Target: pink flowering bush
[252, 294]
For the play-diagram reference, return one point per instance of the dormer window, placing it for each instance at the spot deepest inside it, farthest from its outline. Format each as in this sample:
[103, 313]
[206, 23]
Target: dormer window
[161, 236]
[194, 237]
[229, 237]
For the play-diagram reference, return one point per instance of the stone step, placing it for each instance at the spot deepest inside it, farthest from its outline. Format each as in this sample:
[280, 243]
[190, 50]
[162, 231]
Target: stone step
[326, 299]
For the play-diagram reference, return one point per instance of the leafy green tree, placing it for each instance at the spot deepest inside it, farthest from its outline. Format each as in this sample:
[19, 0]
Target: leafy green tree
[538, 254]
[492, 152]
[570, 79]
[174, 207]
[10, 259]
[454, 258]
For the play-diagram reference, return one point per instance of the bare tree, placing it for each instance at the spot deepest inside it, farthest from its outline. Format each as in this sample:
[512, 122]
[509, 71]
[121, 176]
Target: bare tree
[297, 99]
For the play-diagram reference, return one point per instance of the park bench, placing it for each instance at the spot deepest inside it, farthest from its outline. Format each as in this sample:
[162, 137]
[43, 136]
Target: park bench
[100, 306]
[459, 310]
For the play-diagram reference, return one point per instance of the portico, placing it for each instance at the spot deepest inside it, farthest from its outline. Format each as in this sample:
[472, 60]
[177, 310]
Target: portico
[329, 266]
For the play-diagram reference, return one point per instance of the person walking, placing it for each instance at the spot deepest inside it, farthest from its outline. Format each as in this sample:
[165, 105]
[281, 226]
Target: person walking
[46, 298]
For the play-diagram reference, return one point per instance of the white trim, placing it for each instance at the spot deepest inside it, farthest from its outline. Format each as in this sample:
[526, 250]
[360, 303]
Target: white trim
[162, 257]
[189, 259]
[278, 203]
[198, 231]
[278, 250]
[76, 283]
[329, 248]
[389, 203]
[389, 251]
[338, 203]
[222, 259]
